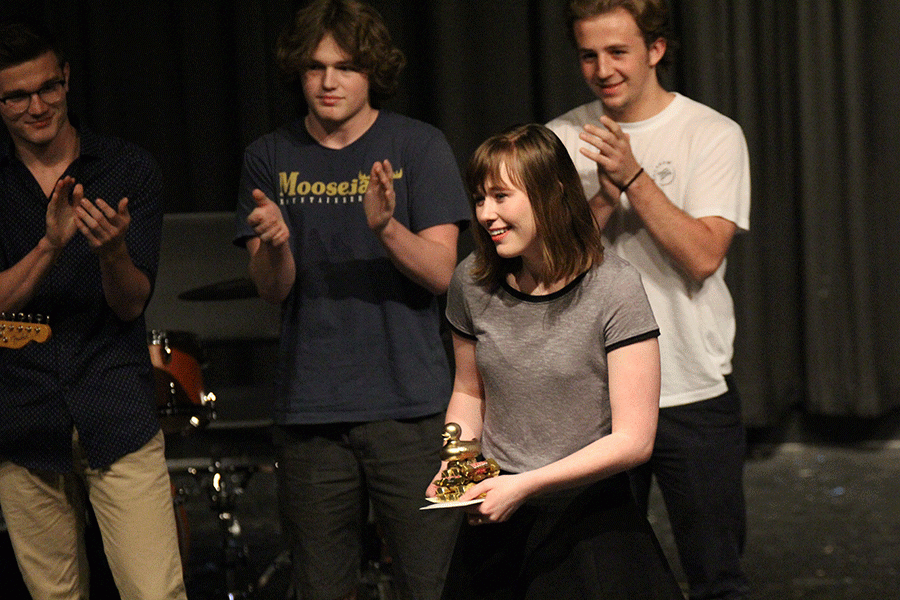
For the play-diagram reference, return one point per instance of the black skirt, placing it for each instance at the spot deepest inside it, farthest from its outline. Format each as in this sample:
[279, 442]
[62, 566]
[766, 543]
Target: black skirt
[593, 545]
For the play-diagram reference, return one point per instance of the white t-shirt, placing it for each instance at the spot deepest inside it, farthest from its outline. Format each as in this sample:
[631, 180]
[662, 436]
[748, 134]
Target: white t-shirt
[699, 159]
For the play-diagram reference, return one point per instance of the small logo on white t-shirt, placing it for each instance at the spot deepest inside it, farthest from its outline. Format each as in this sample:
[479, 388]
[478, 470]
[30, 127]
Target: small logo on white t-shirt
[664, 173]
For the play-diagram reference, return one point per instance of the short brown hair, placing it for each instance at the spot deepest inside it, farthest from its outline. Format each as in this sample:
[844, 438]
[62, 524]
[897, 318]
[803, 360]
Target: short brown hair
[357, 28]
[22, 40]
[652, 18]
[537, 163]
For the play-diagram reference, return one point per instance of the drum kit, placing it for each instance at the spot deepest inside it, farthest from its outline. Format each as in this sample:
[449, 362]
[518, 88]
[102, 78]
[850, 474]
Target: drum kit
[185, 408]
[182, 402]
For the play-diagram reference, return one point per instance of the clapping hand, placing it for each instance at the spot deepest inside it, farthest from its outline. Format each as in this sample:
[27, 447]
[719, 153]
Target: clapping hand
[380, 199]
[267, 221]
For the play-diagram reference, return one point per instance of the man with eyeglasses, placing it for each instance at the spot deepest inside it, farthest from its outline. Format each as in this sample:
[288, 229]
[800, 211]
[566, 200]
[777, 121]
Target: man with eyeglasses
[50, 93]
[80, 223]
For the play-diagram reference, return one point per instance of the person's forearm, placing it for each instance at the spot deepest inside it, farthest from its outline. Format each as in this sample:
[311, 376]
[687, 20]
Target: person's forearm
[125, 287]
[697, 246]
[601, 209]
[272, 270]
[465, 411]
[634, 385]
[603, 458]
[425, 261]
[19, 282]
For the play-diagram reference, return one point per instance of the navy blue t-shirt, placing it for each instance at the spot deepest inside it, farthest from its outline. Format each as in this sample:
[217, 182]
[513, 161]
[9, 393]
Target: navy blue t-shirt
[94, 372]
[359, 341]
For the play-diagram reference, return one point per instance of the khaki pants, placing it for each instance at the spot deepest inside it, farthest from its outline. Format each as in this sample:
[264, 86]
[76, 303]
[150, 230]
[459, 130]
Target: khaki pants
[132, 501]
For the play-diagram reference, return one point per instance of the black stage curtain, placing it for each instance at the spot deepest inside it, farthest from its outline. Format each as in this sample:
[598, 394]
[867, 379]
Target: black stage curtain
[813, 84]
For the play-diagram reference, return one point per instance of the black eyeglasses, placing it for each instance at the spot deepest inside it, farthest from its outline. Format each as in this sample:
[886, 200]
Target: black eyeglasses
[49, 93]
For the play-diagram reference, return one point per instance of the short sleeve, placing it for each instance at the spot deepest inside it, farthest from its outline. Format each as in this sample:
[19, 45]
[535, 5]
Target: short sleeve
[257, 172]
[458, 312]
[720, 180]
[630, 318]
[145, 208]
[436, 191]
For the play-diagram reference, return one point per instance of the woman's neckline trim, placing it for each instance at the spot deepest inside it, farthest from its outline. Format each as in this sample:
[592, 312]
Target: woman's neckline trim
[544, 297]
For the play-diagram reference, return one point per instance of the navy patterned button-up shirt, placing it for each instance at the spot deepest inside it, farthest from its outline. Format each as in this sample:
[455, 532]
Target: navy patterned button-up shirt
[94, 372]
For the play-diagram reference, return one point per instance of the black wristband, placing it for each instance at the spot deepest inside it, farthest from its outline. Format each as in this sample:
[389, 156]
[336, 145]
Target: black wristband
[632, 180]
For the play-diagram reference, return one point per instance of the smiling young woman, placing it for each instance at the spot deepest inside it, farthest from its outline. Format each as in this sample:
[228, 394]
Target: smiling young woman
[564, 392]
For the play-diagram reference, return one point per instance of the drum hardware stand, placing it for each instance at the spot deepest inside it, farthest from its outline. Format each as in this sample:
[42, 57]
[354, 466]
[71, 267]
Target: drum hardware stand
[223, 484]
[376, 581]
[282, 561]
[197, 421]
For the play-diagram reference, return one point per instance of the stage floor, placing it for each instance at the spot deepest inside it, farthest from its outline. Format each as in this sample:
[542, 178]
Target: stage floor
[823, 519]
[823, 523]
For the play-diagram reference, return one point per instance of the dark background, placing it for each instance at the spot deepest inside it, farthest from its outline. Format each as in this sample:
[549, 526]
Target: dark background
[814, 84]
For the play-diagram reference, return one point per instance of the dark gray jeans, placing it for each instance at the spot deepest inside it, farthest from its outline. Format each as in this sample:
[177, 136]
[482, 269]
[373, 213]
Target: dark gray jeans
[329, 476]
[698, 463]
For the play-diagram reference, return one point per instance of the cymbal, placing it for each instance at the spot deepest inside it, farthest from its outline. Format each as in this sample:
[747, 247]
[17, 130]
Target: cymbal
[241, 288]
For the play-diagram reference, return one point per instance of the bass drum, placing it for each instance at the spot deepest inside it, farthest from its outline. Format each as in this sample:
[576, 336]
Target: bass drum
[182, 401]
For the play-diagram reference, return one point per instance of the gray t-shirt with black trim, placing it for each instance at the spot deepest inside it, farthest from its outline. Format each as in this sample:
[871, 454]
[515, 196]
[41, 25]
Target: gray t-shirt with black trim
[543, 358]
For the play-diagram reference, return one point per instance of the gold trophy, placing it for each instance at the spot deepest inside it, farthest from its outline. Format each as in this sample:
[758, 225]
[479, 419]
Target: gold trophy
[465, 465]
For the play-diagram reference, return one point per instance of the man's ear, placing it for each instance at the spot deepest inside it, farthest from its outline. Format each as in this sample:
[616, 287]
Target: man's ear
[656, 51]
